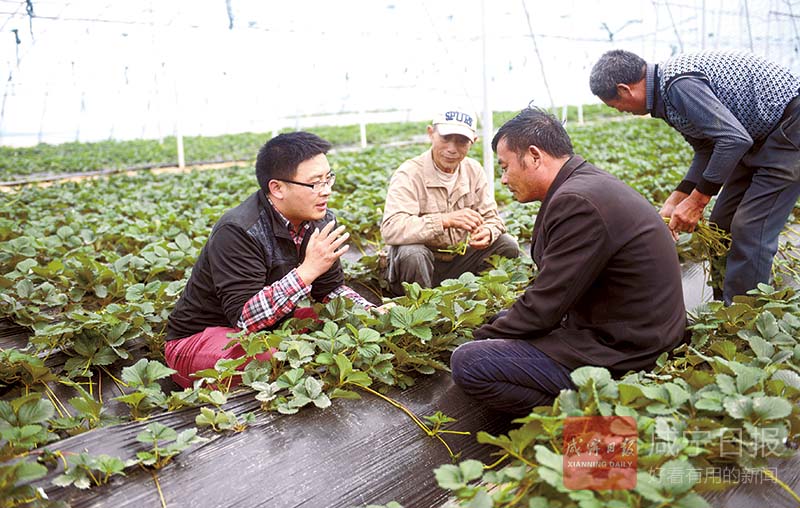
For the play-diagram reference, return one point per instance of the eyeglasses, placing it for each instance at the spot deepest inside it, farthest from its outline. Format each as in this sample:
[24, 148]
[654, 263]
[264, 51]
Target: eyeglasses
[316, 186]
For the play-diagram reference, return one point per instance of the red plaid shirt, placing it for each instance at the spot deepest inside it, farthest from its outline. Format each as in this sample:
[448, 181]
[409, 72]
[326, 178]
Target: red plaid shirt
[280, 298]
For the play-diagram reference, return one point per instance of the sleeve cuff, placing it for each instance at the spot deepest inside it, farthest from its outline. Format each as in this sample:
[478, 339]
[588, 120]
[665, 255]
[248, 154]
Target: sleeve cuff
[708, 188]
[349, 293]
[685, 186]
[434, 224]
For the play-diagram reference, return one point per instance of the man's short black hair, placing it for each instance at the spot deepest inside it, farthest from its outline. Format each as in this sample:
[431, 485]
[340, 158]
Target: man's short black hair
[280, 156]
[534, 126]
[615, 67]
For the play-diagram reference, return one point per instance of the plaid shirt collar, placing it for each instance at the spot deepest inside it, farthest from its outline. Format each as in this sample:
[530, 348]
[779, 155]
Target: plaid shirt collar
[296, 236]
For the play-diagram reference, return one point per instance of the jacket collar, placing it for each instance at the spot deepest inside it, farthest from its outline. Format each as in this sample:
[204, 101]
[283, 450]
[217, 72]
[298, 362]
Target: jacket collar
[564, 173]
[655, 102]
[280, 224]
[431, 179]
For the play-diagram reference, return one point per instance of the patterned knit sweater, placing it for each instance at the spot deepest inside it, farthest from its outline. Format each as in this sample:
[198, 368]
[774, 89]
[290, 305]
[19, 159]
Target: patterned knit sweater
[755, 90]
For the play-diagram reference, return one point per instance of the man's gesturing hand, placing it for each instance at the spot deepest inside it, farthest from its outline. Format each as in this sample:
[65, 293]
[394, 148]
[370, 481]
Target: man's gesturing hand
[466, 218]
[323, 249]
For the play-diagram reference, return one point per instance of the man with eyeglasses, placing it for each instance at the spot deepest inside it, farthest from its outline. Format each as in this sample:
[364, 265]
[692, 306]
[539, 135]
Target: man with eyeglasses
[438, 200]
[262, 258]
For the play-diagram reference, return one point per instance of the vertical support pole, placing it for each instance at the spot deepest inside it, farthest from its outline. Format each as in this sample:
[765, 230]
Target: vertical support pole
[749, 28]
[580, 114]
[488, 121]
[362, 124]
[176, 76]
[703, 26]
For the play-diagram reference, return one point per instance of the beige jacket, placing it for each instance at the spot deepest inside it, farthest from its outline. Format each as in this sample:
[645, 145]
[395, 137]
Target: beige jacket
[416, 200]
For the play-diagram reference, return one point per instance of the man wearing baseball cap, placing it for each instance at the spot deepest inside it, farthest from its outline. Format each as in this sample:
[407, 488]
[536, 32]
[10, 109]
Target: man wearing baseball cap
[438, 200]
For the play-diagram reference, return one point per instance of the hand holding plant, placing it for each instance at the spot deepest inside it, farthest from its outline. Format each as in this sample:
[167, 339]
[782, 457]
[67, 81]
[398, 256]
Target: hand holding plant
[481, 239]
[672, 201]
[466, 219]
[459, 249]
[688, 213]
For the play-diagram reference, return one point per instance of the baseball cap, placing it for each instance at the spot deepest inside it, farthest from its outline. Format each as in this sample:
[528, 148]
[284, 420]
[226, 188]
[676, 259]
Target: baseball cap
[456, 121]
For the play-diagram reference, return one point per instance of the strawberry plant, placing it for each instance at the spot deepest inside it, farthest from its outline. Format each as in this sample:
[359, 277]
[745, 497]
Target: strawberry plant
[164, 443]
[85, 470]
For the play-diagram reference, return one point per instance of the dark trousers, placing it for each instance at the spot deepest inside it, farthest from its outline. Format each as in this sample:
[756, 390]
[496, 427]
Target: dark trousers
[509, 375]
[418, 263]
[755, 203]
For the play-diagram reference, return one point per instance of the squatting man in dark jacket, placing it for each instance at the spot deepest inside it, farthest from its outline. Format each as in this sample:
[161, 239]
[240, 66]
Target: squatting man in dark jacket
[262, 258]
[608, 292]
[741, 114]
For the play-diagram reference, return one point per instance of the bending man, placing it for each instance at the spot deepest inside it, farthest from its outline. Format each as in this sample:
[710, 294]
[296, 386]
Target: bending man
[741, 114]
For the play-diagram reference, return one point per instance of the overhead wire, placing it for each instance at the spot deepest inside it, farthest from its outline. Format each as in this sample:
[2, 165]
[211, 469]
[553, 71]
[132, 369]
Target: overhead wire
[441, 41]
[11, 15]
[538, 55]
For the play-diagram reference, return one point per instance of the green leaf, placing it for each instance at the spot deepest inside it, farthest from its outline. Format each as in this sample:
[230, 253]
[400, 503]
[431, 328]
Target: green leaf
[145, 372]
[739, 407]
[325, 359]
[482, 499]
[677, 395]
[25, 265]
[423, 315]
[366, 335]
[290, 378]
[771, 408]
[313, 387]
[322, 401]
[28, 471]
[760, 347]
[345, 366]
[628, 393]
[156, 432]
[132, 399]
[746, 376]
[338, 393]
[547, 458]
[725, 348]
[767, 325]
[359, 378]
[726, 384]
[677, 476]
[422, 332]
[449, 477]
[788, 377]
[35, 411]
[215, 397]
[471, 470]
[691, 500]
[24, 288]
[649, 488]
[183, 242]
[583, 375]
[134, 293]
